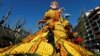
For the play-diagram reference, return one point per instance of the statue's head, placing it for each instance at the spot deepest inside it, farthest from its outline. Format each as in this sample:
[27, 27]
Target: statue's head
[54, 5]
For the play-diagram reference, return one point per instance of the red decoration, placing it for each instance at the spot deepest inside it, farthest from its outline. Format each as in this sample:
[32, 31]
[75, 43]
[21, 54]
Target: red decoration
[79, 40]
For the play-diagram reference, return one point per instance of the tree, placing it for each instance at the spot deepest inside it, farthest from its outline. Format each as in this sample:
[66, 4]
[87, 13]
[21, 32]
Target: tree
[5, 17]
[19, 24]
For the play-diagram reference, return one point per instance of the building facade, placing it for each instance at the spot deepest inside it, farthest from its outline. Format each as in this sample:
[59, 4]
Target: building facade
[88, 27]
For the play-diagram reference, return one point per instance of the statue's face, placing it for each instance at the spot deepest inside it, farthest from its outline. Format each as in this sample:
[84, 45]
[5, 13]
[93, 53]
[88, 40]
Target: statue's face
[54, 6]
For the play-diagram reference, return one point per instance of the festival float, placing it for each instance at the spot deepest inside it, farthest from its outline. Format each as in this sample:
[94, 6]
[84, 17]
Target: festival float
[53, 39]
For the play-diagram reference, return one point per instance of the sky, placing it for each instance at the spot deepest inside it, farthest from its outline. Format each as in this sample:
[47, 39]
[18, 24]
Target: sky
[34, 10]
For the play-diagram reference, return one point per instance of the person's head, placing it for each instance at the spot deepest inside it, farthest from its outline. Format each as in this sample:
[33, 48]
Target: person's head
[54, 5]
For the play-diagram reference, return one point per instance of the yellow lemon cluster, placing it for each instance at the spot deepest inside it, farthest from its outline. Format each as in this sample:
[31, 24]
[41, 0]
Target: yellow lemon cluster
[24, 48]
[39, 36]
[45, 49]
[71, 49]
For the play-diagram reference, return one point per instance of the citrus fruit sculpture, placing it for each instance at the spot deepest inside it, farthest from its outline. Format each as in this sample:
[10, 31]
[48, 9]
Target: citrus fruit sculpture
[51, 40]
